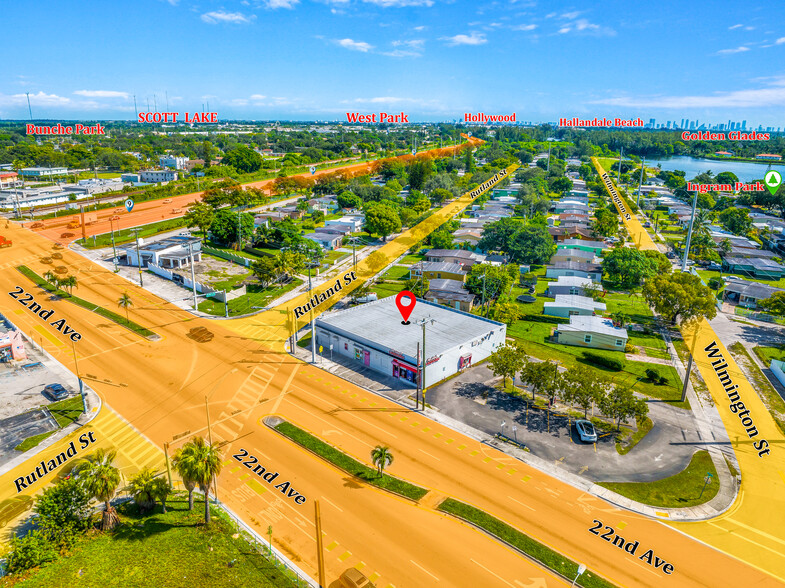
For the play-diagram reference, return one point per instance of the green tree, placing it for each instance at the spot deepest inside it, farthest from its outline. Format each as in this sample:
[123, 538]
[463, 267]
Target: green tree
[505, 312]
[142, 488]
[507, 361]
[497, 236]
[664, 265]
[418, 201]
[29, 551]
[441, 239]
[418, 286]
[627, 268]
[736, 220]
[440, 195]
[620, 403]
[101, 480]
[680, 296]
[63, 512]
[200, 215]
[381, 220]
[381, 458]
[203, 462]
[317, 216]
[224, 226]
[265, 270]
[349, 200]
[531, 244]
[419, 170]
[184, 465]
[540, 375]
[69, 283]
[125, 302]
[243, 159]
[488, 281]
[606, 223]
[582, 387]
[775, 304]
[726, 177]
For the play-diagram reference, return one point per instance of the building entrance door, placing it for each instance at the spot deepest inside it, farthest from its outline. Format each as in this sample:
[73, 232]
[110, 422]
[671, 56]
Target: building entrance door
[367, 357]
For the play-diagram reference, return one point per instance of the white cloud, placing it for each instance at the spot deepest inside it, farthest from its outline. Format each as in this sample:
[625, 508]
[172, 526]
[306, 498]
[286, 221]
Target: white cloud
[273, 4]
[472, 39]
[761, 97]
[583, 26]
[258, 97]
[741, 49]
[524, 27]
[780, 41]
[101, 94]
[399, 3]
[570, 15]
[42, 99]
[220, 16]
[353, 45]
[410, 48]
[420, 28]
[736, 26]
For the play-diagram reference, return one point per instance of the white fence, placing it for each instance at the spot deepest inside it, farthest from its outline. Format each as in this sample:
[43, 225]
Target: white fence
[183, 281]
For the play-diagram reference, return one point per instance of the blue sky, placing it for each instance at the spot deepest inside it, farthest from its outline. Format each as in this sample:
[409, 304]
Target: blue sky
[433, 59]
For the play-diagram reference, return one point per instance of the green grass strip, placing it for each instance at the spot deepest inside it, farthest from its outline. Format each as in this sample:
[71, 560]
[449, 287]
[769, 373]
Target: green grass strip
[31, 442]
[534, 549]
[108, 314]
[66, 411]
[349, 464]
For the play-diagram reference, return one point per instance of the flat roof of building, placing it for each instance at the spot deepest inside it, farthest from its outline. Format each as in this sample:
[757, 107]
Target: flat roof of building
[574, 301]
[593, 324]
[380, 322]
[440, 266]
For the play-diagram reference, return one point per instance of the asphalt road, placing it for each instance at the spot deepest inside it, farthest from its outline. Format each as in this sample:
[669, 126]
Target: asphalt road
[16, 429]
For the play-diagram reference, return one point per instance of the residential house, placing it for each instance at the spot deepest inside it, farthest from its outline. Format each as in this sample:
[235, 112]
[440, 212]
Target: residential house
[450, 293]
[573, 231]
[355, 222]
[470, 236]
[747, 294]
[753, 266]
[574, 268]
[749, 252]
[571, 285]
[566, 306]
[292, 212]
[328, 241]
[597, 247]
[579, 255]
[460, 256]
[591, 331]
[438, 270]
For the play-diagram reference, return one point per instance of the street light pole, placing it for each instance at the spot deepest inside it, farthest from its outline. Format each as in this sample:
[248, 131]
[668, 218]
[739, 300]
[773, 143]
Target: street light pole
[138, 256]
[689, 233]
[193, 274]
[114, 249]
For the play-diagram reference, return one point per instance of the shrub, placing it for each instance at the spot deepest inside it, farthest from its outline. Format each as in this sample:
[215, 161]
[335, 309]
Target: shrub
[608, 362]
[715, 283]
[29, 551]
[629, 348]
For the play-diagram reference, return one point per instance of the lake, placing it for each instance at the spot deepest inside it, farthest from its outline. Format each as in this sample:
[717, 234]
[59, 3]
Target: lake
[745, 171]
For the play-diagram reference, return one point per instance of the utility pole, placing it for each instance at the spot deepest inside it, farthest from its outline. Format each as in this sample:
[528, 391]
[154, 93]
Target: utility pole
[239, 230]
[319, 545]
[29, 109]
[621, 155]
[168, 467]
[114, 249]
[419, 378]
[689, 233]
[313, 322]
[549, 158]
[78, 377]
[640, 182]
[138, 256]
[226, 305]
[193, 275]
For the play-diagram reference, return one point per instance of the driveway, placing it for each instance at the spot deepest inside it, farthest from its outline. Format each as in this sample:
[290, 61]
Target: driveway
[665, 451]
[17, 428]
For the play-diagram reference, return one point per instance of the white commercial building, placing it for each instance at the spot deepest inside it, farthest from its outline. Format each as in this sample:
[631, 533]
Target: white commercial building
[157, 175]
[172, 161]
[169, 253]
[373, 335]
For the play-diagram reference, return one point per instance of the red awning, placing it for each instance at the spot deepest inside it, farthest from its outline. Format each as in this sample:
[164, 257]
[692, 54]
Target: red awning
[403, 365]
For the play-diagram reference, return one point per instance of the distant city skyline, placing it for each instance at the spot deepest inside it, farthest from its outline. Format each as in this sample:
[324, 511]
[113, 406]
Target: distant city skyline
[434, 60]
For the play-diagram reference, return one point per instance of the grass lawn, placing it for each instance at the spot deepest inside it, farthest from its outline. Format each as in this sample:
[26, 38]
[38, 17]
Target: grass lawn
[349, 464]
[88, 175]
[334, 256]
[239, 253]
[126, 236]
[172, 549]
[542, 553]
[31, 442]
[608, 163]
[256, 296]
[387, 289]
[678, 491]
[708, 274]
[112, 316]
[766, 354]
[223, 280]
[412, 259]
[396, 272]
[763, 387]
[66, 411]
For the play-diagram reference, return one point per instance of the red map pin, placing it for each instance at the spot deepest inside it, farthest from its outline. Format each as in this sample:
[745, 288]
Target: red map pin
[405, 302]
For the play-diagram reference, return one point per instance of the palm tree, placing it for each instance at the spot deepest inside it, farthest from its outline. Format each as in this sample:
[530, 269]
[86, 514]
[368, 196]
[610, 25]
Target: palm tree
[101, 480]
[69, 282]
[184, 468]
[161, 491]
[381, 457]
[702, 222]
[124, 302]
[202, 463]
[142, 488]
[52, 278]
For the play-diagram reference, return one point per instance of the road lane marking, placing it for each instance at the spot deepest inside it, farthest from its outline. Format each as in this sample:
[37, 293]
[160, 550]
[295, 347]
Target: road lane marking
[492, 573]
[346, 555]
[331, 504]
[429, 455]
[522, 504]
[48, 335]
[424, 570]
[332, 546]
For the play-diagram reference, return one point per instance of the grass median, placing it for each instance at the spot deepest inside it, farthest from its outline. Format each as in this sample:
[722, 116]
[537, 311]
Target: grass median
[543, 554]
[349, 464]
[108, 314]
[679, 491]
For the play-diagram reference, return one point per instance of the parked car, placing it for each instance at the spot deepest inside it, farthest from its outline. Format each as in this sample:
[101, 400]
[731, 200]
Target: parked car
[586, 430]
[354, 578]
[13, 507]
[55, 392]
[647, 224]
[716, 267]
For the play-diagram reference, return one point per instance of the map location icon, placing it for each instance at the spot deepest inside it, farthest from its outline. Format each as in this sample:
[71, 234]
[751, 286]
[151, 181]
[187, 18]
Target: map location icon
[129, 205]
[772, 179]
[405, 302]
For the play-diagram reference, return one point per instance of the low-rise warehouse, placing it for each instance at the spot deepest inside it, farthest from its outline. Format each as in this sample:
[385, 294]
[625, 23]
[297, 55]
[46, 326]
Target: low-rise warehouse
[372, 334]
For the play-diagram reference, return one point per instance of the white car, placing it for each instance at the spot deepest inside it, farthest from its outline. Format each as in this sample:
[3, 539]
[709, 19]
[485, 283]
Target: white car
[586, 430]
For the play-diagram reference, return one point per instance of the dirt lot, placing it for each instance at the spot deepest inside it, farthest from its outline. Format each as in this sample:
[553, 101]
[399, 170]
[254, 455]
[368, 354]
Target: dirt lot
[217, 273]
